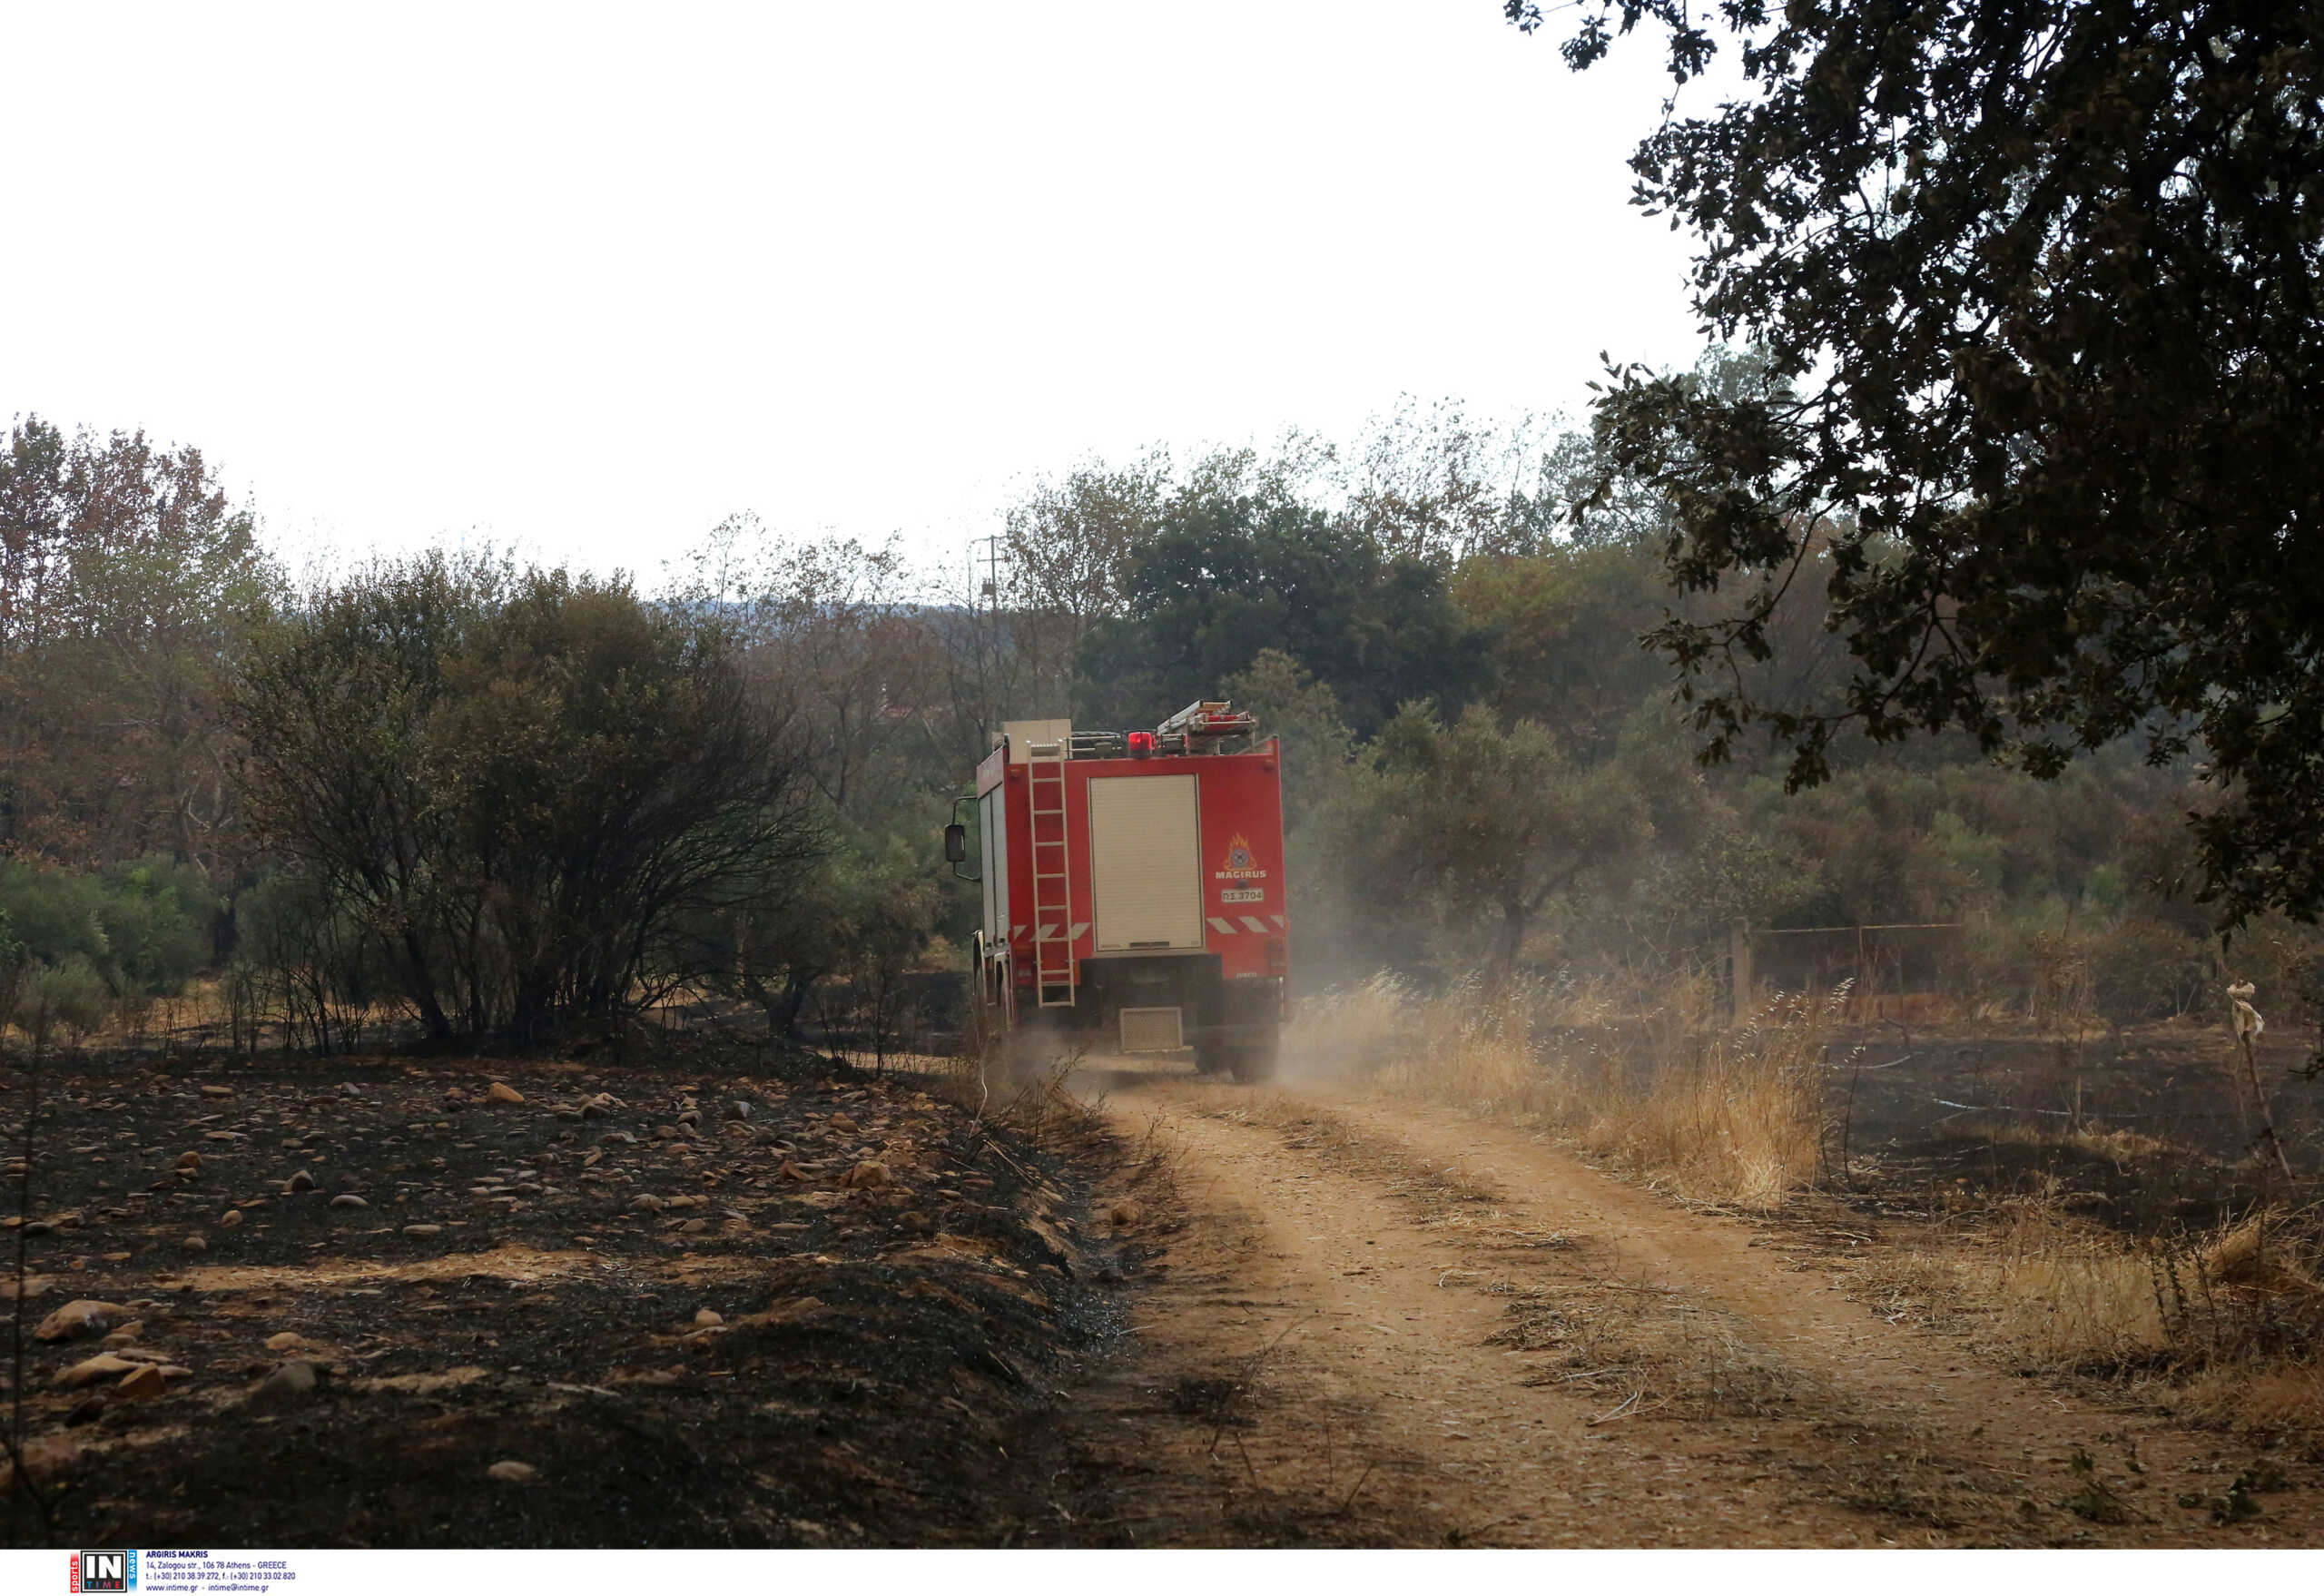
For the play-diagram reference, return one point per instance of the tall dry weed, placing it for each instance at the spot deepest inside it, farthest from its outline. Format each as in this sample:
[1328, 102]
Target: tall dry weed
[1707, 1113]
[2233, 1318]
[2068, 1299]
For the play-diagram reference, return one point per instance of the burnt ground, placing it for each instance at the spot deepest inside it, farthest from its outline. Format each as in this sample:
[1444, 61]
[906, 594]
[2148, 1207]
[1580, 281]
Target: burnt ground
[1192, 1314]
[693, 1329]
[2151, 1133]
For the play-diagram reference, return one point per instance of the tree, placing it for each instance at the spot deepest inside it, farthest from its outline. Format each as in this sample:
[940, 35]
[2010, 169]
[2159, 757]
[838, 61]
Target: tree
[530, 787]
[1565, 624]
[1226, 578]
[2035, 290]
[1068, 548]
[1488, 823]
[127, 581]
[862, 914]
[831, 635]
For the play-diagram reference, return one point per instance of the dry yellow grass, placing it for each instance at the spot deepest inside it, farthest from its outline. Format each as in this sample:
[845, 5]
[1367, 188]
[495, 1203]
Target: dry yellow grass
[2213, 1317]
[1708, 1114]
[2068, 1300]
[2122, 1147]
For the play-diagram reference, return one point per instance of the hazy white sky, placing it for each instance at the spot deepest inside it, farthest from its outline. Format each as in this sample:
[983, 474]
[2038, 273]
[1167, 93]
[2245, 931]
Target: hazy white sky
[591, 279]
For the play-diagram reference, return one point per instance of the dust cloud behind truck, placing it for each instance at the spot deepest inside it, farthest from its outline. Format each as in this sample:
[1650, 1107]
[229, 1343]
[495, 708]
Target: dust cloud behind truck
[1134, 895]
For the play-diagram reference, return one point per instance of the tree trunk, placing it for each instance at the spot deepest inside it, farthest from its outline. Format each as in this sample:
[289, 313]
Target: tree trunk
[422, 987]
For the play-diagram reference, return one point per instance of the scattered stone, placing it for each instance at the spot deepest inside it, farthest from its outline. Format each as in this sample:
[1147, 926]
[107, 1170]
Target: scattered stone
[89, 1371]
[693, 1226]
[423, 1230]
[88, 1411]
[217, 1091]
[453, 1093]
[350, 1089]
[708, 1317]
[34, 1285]
[865, 1175]
[502, 1092]
[285, 1341]
[1124, 1212]
[193, 1244]
[621, 1136]
[190, 1162]
[229, 1219]
[787, 1310]
[81, 1316]
[348, 1199]
[790, 1171]
[300, 1181]
[509, 1472]
[44, 1458]
[144, 1381]
[289, 1387]
[648, 1204]
[126, 1335]
[841, 1122]
[666, 1133]
[738, 1111]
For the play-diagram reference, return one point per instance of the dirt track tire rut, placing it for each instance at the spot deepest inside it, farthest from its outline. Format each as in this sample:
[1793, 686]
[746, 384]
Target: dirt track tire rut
[1382, 1324]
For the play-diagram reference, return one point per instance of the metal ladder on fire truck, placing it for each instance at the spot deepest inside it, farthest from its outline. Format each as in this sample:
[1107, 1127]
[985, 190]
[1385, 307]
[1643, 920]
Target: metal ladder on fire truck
[1053, 970]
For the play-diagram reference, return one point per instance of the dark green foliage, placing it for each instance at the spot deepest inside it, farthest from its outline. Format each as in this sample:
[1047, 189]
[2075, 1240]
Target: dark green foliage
[526, 787]
[138, 930]
[127, 581]
[1225, 578]
[1565, 624]
[846, 928]
[2036, 290]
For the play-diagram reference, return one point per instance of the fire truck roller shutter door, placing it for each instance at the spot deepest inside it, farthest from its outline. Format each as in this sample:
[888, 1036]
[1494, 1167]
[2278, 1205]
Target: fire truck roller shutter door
[1146, 863]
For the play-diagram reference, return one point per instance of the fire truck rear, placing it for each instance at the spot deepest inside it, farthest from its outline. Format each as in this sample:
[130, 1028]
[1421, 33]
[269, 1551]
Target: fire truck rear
[1133, 890]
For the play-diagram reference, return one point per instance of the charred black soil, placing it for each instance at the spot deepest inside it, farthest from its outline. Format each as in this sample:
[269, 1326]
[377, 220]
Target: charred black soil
[693, 1309]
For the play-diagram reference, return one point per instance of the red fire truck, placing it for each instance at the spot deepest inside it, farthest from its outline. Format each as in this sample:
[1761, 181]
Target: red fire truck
[1133, 890]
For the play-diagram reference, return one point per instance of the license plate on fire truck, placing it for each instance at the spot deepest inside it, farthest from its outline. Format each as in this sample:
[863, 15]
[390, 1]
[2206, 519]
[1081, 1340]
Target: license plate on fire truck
[1243, 896]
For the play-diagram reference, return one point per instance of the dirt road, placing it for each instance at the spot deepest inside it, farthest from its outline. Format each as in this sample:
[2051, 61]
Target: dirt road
[1378, 1324]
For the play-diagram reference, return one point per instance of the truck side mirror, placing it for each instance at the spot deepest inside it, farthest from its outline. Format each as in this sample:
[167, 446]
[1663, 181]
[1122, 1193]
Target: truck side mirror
[956, 843]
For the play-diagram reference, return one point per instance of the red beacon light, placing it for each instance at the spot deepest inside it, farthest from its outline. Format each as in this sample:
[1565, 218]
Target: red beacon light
[1141, 745]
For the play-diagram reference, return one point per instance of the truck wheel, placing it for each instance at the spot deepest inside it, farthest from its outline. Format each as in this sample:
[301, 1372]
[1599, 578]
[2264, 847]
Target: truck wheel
[1254, 1064]
[1210, 1058]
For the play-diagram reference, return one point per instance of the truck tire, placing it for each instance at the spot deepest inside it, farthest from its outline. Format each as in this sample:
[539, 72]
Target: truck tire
[1211, 1058]
[1256, 1063]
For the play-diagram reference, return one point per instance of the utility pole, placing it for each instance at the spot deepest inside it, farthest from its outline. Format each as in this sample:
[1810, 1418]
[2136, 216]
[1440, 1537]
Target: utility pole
[984, 601]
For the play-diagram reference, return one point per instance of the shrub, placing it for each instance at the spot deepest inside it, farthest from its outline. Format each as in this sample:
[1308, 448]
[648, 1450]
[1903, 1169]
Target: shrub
[2143, 969]
[70, 997]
